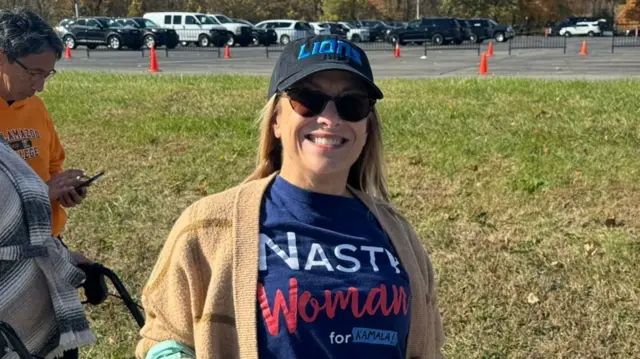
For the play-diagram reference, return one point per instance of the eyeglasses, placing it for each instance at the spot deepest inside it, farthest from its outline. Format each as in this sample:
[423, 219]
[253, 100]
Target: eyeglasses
[309, 103]
[36, 74]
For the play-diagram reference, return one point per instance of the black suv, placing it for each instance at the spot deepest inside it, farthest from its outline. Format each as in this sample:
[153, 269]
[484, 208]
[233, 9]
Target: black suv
[438, 31]
[96, 31]
[500, 33]
[152, 34]
[473, 32]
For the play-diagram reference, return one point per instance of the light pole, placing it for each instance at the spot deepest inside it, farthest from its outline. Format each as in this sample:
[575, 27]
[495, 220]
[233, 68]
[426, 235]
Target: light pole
[417, 9]
[76, 8]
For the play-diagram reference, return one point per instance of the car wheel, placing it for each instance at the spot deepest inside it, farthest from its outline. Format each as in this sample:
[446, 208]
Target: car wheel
[591, 34]
[393, 39]
[473, 38]
[355, 38]
[114, 42]
[203, 41]
[70, 41]
[150, 41]
[437, 39]
[255, 41]
[567, 34]
[285, 39]
[232, 40]
[499, 37]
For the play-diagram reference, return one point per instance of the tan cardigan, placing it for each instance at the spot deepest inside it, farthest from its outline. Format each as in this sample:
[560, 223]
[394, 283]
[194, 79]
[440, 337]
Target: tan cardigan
[202, 290]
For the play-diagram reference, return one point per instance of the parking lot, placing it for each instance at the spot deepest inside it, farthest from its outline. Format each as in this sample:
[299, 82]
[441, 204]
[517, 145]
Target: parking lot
[600, 63]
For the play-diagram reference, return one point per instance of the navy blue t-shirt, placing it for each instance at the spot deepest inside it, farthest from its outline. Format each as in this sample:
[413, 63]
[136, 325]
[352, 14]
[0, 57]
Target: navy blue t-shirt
[330, 284]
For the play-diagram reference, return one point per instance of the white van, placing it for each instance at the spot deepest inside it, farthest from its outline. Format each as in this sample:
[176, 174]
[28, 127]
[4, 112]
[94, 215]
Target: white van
[192, 27]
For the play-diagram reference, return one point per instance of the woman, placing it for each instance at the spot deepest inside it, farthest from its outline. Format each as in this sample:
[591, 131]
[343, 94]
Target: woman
[339, 274]
[38, 277]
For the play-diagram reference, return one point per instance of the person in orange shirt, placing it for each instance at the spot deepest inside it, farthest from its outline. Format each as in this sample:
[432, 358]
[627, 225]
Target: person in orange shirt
[27, 58]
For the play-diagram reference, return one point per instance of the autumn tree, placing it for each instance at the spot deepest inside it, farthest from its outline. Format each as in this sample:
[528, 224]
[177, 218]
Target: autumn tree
[630, 12]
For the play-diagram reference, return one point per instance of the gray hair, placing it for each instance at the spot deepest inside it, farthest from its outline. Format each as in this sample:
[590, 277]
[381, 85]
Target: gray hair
[24, 33]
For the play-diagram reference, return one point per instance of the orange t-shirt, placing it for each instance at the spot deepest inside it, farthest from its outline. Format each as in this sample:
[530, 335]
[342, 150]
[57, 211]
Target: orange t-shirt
[27, 126]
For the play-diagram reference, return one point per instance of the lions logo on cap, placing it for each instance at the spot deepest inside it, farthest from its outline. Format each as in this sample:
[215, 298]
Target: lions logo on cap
[331, 47]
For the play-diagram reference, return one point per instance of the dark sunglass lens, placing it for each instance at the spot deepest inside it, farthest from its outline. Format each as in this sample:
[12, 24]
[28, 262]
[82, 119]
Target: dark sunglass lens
[353, 108]
[307, 103]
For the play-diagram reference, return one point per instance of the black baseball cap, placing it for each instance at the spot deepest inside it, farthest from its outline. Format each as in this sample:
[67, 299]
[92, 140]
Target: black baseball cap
[306, 56]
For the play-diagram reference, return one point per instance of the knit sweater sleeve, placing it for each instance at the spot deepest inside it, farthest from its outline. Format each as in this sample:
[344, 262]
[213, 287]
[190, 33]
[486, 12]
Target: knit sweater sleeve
[435, 328]
[172, 298]
[435, 331]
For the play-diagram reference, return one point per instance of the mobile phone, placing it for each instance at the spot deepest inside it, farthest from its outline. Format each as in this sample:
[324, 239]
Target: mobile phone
[90, 180]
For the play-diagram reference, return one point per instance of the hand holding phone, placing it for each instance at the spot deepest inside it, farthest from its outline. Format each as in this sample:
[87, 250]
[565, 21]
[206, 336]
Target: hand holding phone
[90, 180]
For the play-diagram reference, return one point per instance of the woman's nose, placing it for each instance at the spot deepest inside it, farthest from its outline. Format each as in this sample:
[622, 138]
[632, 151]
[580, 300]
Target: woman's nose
[329, 116]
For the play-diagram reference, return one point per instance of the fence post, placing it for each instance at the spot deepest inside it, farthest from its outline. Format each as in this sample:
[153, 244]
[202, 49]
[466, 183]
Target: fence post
[509, 47]
[425, 46]
[166, 51]
[478, 47]
[613, 42]
[88, 56]
[266, 48]
[565, 45]
[142, 51]
[218, 48]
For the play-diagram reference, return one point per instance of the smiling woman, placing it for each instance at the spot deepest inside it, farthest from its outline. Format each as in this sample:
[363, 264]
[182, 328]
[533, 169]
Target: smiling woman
[309, 235]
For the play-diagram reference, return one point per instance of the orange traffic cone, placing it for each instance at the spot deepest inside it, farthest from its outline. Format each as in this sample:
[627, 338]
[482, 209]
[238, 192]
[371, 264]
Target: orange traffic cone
[153, 65]
[483, 70]
[67, 53]
[583, 51]
[227, 52]
[490, 49]
[397, 52]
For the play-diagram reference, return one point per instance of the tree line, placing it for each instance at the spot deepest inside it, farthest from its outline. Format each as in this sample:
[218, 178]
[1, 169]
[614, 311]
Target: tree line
[504, 11]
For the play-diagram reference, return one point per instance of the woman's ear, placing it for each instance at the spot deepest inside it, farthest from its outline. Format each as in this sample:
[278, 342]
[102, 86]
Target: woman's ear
[276, 126]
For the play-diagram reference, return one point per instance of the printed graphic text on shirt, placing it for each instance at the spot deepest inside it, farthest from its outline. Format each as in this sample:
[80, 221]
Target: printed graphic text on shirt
[295, 303]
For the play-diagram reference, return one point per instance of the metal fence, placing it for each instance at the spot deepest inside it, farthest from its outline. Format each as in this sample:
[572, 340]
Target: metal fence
[528, 38]
[625, 35]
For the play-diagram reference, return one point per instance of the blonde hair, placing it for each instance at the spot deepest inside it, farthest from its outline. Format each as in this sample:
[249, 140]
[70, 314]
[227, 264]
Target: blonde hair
[367, 174]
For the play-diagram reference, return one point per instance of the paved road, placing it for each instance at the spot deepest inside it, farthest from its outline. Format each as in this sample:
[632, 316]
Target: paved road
[600, 63]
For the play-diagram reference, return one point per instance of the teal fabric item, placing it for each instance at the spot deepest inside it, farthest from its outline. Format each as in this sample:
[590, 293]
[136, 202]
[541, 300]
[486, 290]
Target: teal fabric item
[170, 349]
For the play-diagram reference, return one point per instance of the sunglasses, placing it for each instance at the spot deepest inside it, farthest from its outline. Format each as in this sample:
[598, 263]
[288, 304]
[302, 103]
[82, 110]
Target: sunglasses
[351, 107]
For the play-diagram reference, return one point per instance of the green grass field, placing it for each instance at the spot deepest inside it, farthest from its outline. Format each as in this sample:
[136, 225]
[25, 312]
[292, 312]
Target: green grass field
[526, 193]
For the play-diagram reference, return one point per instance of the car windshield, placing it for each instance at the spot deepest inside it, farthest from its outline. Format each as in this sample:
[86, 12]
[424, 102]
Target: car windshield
[145, 23]
[205, 20]
[223, 19]
[493, 23]
[346, 25]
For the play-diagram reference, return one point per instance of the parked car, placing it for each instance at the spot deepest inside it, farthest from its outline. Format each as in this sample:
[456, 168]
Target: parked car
[320, 28]
[474, 33]
[338, 29]
[260, 36]
[378, 30]
[604, 24]
[152, 34]
[96, 31]
[439, 31]
[192, 27]
[580, 29]
[63, 27]
[356, 34]
[238, 33]
[287, 30]
[500, 33]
